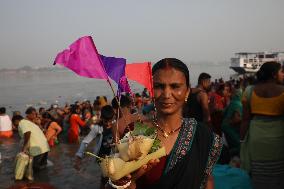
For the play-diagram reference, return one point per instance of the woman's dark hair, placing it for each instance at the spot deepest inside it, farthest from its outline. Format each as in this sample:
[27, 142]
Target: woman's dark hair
[16, 117]
[172, 63]
[74, 107]
[203, 76]
[267, 71]
[47, 115]
[107, 112]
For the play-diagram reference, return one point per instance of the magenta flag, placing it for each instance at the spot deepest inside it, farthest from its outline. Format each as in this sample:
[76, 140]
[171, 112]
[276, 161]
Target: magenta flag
[82, 57]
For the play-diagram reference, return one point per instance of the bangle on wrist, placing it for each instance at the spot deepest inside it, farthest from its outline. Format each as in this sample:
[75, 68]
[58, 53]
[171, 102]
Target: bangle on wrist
[119, 187]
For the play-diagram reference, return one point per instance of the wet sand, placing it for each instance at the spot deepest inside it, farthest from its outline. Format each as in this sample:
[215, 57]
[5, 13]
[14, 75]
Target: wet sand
[61, 175]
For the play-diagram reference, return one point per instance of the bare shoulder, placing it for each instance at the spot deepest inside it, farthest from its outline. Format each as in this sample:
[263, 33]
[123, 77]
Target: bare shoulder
[203, 95]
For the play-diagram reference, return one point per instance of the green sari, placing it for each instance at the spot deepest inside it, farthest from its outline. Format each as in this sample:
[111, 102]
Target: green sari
[232, 133]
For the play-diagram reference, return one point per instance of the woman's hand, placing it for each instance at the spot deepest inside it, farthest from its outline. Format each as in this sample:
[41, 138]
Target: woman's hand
[145, 168]
[137, 174]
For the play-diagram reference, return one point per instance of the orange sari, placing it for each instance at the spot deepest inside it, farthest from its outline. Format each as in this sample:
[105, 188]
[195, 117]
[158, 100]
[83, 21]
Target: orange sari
[73, 132]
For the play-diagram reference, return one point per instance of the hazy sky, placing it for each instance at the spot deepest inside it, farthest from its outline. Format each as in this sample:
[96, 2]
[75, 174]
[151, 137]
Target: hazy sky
[32, 32]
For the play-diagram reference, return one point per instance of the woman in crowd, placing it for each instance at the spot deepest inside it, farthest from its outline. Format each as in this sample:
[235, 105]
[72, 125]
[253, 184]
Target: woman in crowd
[52, 129]
[192, 150]
[263, 128]
[75, 123]
[232, 121]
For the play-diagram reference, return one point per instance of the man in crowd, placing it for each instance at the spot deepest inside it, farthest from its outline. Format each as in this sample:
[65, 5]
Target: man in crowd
[5, 124]
[35, 143]
[198, 103]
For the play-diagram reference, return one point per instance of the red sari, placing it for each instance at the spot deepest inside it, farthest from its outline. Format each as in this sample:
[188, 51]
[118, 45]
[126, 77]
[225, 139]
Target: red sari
[73, 132]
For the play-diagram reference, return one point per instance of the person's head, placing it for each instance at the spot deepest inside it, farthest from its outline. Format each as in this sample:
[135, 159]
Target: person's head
[87, 114]
[16, 120]
[204, 80]
[220, 89]
[31, 113]
[125, 102]
[2, 110]
[46, 117]
[103, 101]
[227, 89]
[41, 110]
[16, 113]
[171, 85]
[270, 71]
[75, 109]
[66, 109]
[137, 95]
[107, 116]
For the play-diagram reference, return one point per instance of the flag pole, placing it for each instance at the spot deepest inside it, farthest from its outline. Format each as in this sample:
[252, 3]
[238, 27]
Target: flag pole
[118, 110]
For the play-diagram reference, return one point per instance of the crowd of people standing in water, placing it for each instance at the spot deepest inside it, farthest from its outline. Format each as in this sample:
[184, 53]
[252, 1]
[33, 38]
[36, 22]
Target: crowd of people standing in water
[237, 122]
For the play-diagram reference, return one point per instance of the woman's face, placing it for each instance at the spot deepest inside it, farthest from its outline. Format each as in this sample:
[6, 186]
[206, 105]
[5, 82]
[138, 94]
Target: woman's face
[170, 91]
[280, 76]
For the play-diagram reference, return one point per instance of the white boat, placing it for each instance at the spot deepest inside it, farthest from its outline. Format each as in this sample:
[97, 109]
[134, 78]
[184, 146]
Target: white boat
[248, 62]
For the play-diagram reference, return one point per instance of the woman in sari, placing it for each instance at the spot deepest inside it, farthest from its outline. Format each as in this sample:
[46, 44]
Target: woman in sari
[262, 129]
[51, 127]
[231, 123]
[192, 149]
[75, 123]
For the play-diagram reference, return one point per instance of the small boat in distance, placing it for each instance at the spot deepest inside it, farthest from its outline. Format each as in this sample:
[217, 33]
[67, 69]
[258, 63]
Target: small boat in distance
[249, 62]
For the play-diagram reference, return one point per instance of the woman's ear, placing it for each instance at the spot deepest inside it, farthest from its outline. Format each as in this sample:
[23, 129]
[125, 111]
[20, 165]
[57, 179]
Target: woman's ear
[187, 94]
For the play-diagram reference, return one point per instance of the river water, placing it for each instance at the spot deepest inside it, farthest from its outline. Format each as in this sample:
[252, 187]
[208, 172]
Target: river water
[17, 91]
[62, 174]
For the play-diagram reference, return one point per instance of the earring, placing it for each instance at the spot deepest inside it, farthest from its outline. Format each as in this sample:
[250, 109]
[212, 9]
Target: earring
[185, 100]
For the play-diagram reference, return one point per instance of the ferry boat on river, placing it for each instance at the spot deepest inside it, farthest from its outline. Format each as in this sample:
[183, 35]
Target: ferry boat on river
[249, 62]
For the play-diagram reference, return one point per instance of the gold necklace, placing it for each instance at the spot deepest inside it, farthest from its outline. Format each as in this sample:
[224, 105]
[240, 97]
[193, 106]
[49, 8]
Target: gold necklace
[165, 133]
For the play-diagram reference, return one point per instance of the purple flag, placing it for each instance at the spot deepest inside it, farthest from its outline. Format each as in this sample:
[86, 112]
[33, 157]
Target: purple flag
[82, 57]
[115, 67]
[123, 85]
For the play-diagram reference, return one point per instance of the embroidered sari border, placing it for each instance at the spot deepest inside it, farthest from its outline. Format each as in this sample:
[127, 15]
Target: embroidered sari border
[183, 143]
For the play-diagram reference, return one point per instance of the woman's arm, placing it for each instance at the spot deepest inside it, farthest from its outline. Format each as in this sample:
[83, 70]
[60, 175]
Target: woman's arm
[56, 127]
[246, 119]
[210, 182]
[80, 121]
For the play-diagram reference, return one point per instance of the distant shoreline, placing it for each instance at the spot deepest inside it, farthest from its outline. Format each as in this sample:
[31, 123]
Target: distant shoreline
[28, 69]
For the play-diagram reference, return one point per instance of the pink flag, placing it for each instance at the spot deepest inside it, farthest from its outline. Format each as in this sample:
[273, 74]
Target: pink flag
[142, 73]
[82, 57]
